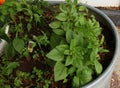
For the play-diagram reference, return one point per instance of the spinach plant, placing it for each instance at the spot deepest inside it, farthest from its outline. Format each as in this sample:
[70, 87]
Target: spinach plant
[77, 53]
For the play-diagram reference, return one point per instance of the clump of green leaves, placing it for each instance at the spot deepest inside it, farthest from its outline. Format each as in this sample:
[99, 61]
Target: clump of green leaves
[38, 74]
[20, 77]
[23, 17]
[77, 52]
[74, 42]
[6, 71]
[26, 23]
[29, 77]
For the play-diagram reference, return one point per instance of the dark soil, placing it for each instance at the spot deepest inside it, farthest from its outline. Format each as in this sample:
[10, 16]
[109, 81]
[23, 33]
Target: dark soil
[109, 44]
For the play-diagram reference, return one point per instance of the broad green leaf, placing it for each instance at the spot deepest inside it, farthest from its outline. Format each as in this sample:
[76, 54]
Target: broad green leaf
[101, 50]
[98, 67]
[63, 8]
[61, 17]
[90, 45]
[78, 40]
[85, 75]
[55, 24]
[37, 17]
[73, 10]
[69, 36]
[7, 86]
[82, 8]
[69, 61]
[18, 44]
[11, 66]
[57, 54]
[2, 18]
[71, 70]
[77, 23]
[97, 31]
[76, 82]
[75, 2]
[9, 50]
[93, 54]
[102, 40]
[77, 62]
[72, 44]
[65, 80]
[54, 40]
[29, 26]
[82, 20]
[60, 71]
[58, 31]
[67, 52]
[66, 26]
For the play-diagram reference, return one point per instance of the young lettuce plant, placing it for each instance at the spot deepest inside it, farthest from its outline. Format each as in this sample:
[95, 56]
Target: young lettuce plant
[76, 55]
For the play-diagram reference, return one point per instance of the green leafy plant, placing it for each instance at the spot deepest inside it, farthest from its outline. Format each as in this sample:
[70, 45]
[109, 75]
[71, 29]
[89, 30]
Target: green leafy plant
[78, 56]
[24, 16]
[40, 79]
[36, 74]
[20, 77]
[49, 46]
[6, 71]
